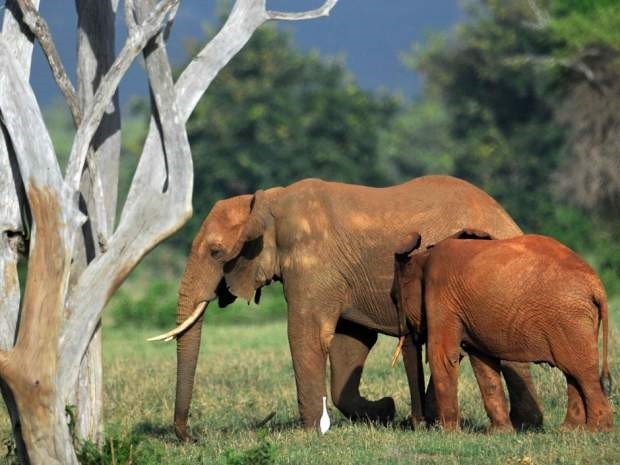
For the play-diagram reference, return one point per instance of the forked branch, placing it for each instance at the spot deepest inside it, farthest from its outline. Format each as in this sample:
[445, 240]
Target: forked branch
[156, 211]
[94, 113]
[39, 28]
[323, 10]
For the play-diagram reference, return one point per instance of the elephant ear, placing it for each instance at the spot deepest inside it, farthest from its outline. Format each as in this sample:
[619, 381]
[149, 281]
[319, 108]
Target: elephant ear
[470, 233]
[253, 227]
[406, 246]
[260, 212]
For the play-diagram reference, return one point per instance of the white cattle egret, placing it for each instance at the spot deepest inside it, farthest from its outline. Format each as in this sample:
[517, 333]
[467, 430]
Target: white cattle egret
[325, 422]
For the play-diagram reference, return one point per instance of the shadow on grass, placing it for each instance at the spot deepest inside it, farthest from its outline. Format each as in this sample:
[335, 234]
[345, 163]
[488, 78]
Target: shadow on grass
[164, 432]
[272, 425]
[403, 424]
[469, 426]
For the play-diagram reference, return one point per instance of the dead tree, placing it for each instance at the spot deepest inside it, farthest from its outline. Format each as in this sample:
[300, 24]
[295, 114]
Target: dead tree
[590, 175]
[50, 363]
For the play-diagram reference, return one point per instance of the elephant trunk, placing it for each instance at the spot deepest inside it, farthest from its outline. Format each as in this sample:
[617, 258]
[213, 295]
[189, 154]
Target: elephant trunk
[198, 285]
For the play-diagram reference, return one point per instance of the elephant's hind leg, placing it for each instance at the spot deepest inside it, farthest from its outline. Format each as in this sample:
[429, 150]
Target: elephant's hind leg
[580, 362]
[487, 373]
[347, 356]
[575, 406]
[525, 409]
[599, 415]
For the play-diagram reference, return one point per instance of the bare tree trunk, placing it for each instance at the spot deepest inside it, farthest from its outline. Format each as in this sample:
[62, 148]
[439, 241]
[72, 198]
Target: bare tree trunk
[96, 31]
[12, 230]
[29, 368]
[12, 243]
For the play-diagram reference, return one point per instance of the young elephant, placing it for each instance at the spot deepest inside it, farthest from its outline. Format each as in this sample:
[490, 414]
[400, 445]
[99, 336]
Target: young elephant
[525, 299]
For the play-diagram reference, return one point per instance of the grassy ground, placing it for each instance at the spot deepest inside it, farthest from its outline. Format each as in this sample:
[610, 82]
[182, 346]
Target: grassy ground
[245, 373]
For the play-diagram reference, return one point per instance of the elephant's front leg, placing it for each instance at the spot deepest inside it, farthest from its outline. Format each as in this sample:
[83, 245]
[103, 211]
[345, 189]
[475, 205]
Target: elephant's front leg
[310, 334]
[412, 358]
[347, 355]
[487, 373]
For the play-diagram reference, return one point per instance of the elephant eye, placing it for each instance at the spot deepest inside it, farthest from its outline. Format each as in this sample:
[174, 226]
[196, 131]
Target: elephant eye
[217, 253]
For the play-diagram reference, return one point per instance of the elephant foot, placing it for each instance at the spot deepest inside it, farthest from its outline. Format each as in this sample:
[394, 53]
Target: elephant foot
[183, 434]
[526, 420]
[600, 428]
[603, 422]
[380, 411]
[525, 410]
[450, 426]
[417, 422]
[568, 426]
[499, 429]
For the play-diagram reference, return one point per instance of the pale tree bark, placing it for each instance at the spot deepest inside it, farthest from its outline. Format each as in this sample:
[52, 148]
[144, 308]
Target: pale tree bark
[77, 258]
[29, 367]
[96, 34]
[12, 229]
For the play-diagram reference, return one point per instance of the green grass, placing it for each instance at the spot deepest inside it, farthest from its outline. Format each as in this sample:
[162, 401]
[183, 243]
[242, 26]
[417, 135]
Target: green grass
[245, 373]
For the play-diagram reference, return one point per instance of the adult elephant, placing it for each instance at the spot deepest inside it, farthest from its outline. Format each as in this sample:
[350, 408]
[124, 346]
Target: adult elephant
[331, 245]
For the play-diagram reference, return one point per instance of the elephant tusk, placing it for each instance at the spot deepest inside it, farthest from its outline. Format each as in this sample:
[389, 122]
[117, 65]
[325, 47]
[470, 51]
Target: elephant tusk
[170, 335]
[399, 348]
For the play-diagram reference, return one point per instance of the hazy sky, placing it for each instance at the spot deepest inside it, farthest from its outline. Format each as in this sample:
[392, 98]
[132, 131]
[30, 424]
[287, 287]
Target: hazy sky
[368, 34]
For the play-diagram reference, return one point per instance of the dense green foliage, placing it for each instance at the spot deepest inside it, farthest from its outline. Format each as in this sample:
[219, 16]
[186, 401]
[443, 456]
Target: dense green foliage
[579, 24]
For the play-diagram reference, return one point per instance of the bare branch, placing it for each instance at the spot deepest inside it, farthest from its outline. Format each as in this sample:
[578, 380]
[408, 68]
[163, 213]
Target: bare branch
[323, 10]
[542, 17]
[93, 115]
[130, 19]
[22, 117]
[39, 28]
[21, 41]
[170, 22]
[576, 64]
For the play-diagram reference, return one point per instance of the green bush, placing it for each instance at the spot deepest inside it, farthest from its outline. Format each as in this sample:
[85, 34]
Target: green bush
[154, 304]
[117, 450]
[262, 454]
[595, 242]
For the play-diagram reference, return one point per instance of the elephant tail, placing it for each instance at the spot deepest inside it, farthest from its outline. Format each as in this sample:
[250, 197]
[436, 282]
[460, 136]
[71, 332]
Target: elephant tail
[601, 302]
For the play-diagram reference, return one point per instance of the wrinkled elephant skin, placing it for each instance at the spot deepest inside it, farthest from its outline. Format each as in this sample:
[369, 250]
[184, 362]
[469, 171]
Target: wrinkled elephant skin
[524, 299]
